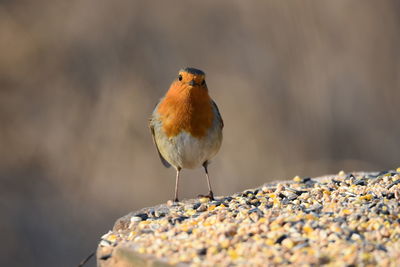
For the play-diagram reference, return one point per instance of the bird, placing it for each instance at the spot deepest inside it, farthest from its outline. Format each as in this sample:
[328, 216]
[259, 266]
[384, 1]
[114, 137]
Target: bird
[186, 126]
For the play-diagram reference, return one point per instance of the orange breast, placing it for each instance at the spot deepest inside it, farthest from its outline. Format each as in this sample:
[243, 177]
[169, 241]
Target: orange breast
[185, 109]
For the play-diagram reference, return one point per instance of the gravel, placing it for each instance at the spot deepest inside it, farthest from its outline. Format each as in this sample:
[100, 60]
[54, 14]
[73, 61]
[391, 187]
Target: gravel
[348, 219]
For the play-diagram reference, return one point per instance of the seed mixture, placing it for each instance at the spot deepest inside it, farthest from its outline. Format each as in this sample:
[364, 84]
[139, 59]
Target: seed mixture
[340, 220]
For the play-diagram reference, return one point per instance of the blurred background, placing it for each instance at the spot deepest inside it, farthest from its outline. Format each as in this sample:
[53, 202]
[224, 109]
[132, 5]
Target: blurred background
[305, 88]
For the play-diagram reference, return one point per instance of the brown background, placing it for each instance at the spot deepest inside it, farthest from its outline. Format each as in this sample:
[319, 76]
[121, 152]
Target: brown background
[305, 88]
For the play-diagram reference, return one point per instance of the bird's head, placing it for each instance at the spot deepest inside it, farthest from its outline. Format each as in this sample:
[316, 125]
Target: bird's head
[189, 78]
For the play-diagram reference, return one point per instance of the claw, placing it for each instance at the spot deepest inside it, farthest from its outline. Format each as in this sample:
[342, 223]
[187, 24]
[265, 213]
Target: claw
[210, 196]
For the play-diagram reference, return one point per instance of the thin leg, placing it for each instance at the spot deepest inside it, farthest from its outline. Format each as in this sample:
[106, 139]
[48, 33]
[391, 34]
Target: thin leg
[210, 192]
[176, 184]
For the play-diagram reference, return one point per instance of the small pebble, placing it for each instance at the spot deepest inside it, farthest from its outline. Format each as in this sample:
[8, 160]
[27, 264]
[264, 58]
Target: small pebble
[105, 243]
[297, 179]
[136, 219]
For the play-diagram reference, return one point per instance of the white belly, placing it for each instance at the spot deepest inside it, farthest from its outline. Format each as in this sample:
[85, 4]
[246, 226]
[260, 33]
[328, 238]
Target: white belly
[186, 151]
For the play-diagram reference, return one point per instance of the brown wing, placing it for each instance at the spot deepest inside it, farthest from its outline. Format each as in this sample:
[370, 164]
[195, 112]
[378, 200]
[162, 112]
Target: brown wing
[164, 162]
[218, 114]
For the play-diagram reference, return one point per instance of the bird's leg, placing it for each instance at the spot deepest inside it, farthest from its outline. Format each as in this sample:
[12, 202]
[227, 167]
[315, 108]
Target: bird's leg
[210, 192]
[178, 169]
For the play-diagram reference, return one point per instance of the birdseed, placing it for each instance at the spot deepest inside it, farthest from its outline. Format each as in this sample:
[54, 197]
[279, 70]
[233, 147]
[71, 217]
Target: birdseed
[348, 219]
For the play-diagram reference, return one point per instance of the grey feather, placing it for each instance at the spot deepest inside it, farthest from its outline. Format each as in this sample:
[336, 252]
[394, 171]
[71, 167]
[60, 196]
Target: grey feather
[219, 117]
[164, 161]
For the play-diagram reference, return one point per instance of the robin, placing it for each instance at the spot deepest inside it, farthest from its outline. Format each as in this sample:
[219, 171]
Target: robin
[186, 125]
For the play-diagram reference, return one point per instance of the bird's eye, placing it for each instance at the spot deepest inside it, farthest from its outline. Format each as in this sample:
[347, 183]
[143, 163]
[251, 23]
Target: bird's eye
[180, 77]
[203, 82]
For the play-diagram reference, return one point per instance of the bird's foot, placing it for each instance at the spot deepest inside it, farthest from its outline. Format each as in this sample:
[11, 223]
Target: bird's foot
[172, 202]
[210, 196]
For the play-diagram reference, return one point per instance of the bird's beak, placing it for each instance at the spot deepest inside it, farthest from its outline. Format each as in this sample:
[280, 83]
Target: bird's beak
[192, 83]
